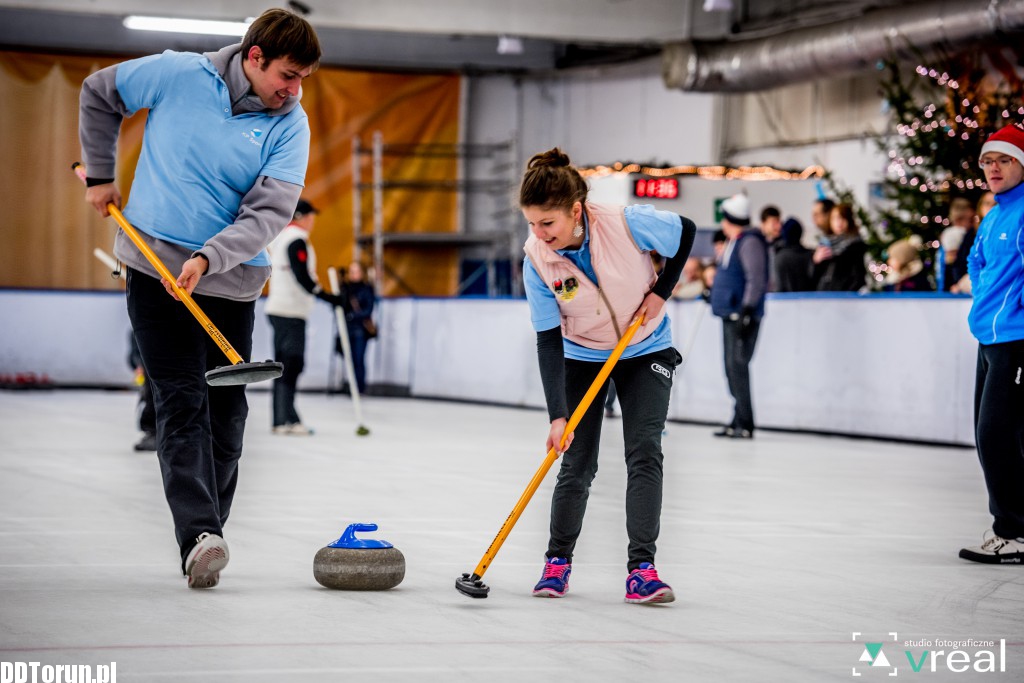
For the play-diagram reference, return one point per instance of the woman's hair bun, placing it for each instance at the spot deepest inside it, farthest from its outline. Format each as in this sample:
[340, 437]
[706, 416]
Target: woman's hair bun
[553, 157]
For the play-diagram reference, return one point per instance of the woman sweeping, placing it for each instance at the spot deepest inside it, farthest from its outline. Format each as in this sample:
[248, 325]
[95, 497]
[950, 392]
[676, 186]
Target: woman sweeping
[588, 274]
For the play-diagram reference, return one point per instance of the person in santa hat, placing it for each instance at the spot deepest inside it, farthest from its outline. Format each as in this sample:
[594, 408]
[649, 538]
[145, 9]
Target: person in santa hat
[996, 268]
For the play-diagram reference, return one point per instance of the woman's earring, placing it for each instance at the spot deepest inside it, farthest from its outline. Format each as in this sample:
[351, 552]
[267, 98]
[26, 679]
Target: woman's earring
[577, 230]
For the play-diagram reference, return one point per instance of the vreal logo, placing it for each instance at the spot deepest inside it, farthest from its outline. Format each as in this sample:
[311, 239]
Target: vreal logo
[874, 656]
[924, 656]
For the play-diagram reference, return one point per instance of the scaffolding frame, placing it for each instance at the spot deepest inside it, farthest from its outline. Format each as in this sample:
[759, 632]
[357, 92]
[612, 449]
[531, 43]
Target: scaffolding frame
[498, 242]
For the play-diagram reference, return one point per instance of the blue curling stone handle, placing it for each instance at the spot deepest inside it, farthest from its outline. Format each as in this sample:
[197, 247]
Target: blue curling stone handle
[349, 540]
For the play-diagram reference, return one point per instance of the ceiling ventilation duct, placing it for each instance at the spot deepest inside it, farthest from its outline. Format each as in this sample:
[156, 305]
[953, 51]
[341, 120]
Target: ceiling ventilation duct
[831, 50]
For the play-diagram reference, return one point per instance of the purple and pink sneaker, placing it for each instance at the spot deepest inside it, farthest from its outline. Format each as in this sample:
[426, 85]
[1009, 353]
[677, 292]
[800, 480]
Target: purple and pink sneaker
[555, 581]
[644, 586]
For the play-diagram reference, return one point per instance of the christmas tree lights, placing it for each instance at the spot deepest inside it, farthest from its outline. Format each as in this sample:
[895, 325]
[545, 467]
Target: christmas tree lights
[941, 116]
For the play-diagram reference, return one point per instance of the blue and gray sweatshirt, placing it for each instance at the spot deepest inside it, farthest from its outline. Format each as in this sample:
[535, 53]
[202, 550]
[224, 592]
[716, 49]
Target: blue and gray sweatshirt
[264, 210]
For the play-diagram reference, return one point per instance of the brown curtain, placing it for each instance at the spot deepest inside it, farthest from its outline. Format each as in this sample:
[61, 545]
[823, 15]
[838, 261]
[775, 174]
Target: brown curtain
[51, 233]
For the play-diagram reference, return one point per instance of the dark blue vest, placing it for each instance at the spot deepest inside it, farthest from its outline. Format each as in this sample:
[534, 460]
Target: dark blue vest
[731, 280]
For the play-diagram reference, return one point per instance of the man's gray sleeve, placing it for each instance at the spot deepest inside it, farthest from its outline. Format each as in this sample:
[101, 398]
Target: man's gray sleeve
[265, 211]
[753, 258]
[100, 111]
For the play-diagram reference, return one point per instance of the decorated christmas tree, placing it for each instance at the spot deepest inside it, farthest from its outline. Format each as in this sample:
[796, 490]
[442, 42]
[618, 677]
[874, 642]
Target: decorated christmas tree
[940, 117]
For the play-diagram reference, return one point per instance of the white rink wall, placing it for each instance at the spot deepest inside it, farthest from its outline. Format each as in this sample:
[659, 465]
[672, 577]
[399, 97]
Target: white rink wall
[878, 365]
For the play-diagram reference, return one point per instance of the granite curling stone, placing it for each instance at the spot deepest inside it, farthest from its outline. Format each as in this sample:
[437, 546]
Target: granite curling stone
[357, 564]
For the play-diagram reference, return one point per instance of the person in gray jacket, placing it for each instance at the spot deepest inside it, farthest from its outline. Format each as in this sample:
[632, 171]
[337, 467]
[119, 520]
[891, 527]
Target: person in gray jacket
[221, 169]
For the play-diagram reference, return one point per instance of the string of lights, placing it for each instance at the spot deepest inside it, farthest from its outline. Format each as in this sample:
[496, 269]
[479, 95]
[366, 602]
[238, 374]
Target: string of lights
[717, 172]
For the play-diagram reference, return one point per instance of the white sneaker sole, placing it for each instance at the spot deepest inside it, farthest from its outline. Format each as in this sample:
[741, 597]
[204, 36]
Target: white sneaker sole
[204, 570]
[978, 555]
[658, 597]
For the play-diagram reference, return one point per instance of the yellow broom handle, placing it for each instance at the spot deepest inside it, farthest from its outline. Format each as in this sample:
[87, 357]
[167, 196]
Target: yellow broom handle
[185, 297]
[552, 455]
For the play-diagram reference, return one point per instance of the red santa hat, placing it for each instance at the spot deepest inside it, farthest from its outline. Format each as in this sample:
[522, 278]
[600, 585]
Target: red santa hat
[1008, 140]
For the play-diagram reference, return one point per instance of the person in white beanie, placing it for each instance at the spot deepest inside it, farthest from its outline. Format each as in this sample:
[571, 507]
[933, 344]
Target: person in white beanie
[997, 322]
[737, 297]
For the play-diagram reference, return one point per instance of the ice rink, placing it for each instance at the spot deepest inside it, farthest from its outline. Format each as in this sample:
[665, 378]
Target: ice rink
[780, 550]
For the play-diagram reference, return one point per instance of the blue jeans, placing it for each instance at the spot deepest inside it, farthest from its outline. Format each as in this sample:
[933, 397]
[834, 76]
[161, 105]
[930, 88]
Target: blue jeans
[199, 428]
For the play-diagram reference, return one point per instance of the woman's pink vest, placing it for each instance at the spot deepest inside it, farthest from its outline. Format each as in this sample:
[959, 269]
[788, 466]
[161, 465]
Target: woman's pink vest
[597, 317]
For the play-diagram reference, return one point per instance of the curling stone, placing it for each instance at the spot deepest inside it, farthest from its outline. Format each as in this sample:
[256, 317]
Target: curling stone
[357, 564]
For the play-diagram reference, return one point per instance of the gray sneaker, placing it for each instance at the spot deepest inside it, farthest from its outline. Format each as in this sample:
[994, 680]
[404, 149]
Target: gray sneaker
[206, 560]
[996, 550]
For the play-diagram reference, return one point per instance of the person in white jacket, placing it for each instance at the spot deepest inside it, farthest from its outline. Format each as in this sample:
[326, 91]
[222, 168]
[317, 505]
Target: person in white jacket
[293, 289]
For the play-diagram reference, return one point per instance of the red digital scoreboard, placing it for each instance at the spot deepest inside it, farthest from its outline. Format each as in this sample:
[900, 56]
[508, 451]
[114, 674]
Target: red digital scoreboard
[656, 188]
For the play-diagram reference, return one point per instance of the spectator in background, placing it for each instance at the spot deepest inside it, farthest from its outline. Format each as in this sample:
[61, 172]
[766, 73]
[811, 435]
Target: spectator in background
[821, 214]
[771, 223]
[986, 203]
[359, 318]
[997, 322]
[708, 277]
[691, 284]
[718, 242]
[906, 270]
[792, 259]
[963, 285]
[839, 261]
[771, 226]
[737, 297]
[293, 289]
[961, 221]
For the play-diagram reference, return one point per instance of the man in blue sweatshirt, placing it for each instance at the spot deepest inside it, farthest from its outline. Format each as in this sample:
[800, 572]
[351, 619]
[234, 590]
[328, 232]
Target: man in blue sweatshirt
[996, 267]
[222, 166]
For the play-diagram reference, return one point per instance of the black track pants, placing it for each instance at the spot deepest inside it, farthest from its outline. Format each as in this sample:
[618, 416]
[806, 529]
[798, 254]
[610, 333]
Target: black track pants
[644, 385]
[999, 433]
[199, 428]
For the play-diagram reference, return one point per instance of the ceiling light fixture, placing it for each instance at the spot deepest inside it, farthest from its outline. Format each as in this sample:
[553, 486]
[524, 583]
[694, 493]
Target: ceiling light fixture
[510, 45]
[177, 25]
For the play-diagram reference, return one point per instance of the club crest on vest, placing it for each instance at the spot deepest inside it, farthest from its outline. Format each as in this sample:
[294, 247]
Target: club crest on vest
[565, 290]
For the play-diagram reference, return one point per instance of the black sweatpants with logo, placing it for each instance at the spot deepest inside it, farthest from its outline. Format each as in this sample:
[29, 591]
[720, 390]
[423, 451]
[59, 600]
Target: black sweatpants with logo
[644, 385]
[199, 428]
[999, 433]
